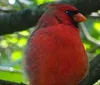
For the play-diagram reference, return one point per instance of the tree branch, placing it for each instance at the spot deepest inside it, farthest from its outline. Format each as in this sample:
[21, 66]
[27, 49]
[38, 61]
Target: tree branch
[9, 69]
[88, 37]
[21, 5]
[4, 82]
[6, 11]
[94, 73]
[24, 19]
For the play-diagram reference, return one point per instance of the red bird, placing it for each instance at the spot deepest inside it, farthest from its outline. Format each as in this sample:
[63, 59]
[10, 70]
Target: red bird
[55, 54]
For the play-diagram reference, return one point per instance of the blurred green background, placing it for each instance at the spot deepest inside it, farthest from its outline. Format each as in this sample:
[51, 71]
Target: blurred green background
[12, 46]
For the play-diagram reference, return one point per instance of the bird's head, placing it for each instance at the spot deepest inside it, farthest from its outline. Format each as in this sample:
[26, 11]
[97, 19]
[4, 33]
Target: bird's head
[67, 12]
[61, 13]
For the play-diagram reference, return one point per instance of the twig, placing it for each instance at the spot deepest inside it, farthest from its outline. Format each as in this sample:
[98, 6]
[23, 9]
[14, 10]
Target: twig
[7, 10]
[9, 69]
[21, 5]
[87, 35]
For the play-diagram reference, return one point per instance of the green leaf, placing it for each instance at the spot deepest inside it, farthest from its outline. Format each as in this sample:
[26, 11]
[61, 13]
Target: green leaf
[3, 43]
[96, 26]
[11, 76]
[24, 33]
[22, 42]
[86, 46]
[42, 1]
[16, 55]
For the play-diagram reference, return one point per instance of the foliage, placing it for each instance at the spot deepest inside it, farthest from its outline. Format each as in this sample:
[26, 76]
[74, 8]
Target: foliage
[12, 46]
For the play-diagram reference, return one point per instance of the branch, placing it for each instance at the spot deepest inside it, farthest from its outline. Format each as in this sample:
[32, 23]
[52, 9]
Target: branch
[6, 10]
[4, 82]
[27, 18]
[9, 69]
[17, 21]
[88, 37]
[94, 73]
[21, 5]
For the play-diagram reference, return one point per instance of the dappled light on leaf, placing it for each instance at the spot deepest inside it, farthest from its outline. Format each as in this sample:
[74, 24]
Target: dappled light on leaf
[13, 40]
[86, 46]
[16, 55]
[22, 42]
[24, 33]
[96, 26]
[3, 44]
[39, 2]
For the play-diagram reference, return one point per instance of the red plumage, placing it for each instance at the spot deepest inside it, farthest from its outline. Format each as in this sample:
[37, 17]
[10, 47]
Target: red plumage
[55, 54]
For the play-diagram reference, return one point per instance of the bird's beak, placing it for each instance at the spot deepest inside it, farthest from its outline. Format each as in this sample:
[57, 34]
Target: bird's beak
[79, 17]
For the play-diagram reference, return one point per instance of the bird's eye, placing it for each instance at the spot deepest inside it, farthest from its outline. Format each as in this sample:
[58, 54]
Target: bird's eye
[66, 12]
[71, 13]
